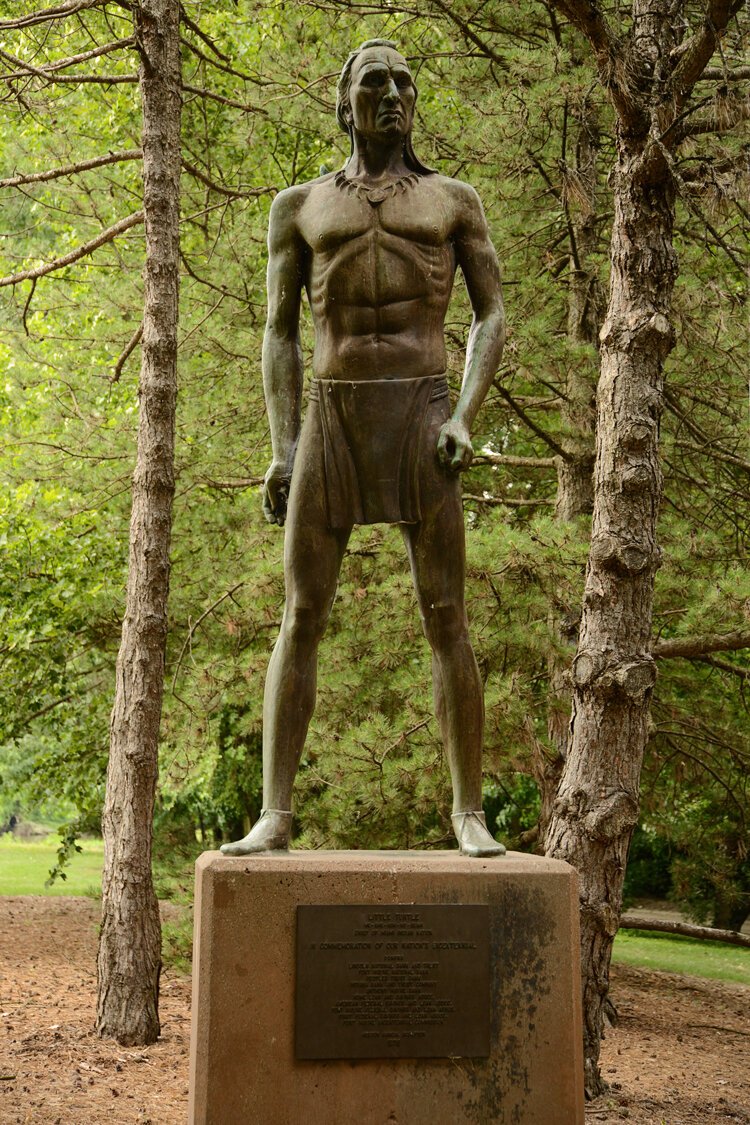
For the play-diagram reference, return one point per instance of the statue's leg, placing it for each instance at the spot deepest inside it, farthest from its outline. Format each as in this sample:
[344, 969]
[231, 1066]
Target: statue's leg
[312, 559]
[436, 549]
[436, 554]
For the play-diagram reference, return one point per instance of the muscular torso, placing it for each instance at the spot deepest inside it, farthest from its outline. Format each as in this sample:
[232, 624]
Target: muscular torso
[379, 278]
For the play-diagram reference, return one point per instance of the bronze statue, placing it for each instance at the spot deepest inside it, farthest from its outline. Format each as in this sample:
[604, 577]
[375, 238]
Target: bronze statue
[376, 246]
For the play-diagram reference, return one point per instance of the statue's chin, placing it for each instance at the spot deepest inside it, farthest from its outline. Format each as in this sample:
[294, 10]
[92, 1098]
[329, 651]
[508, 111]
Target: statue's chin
[391, 129]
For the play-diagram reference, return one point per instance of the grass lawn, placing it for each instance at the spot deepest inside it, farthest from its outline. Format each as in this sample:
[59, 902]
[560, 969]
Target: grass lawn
[671, 954]
[25, 865]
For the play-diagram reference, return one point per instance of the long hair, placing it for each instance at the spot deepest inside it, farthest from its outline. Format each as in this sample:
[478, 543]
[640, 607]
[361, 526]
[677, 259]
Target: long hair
[343, 104]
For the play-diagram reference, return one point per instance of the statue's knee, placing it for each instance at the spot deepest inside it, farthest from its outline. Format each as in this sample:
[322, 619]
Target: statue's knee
[445, 626]
[304, 625]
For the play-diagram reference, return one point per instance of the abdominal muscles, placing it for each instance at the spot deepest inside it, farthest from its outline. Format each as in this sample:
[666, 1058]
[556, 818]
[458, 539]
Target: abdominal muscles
[378, 306]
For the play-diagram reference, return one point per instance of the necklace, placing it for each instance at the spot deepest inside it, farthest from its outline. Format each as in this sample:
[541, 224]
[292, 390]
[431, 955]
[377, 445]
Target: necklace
[376, 195]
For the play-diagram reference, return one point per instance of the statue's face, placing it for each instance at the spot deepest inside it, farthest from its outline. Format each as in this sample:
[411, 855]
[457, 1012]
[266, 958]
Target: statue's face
[381, 94]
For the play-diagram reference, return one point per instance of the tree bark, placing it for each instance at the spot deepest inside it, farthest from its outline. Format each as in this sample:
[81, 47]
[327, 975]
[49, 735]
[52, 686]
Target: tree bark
[129, 959]
[649, 85]
[613, 672]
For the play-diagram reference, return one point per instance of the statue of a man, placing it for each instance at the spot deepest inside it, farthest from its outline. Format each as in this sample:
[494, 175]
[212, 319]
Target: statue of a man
[375, 246]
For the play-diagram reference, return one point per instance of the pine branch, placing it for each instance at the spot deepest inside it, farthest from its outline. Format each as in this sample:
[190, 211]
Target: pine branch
[690, 203]
[44, 15]
[540, 433]
[468, 32]
[672, 128]
[488, 458]
[70, 169]
[700, 49]
[557, 195]
[130, 347]
[532, 402]
[210, 285]
[726, 666]
[27, 68]
[197, 30]
[224, 66]
[211, 96]
[91, 79]
[703, 442]
[718, 74]
[62, 64]
[193, 628]
[75, 255]
[27, 306]
[586, 17]
[717, 125]
[719, 455]
[611, 62]
[231, 485]
[46, 710]
[692, 647]
[505, 501]
[232, 193]
[676, 407]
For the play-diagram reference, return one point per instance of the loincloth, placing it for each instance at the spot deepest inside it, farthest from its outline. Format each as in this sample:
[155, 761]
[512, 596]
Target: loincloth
[373, 447]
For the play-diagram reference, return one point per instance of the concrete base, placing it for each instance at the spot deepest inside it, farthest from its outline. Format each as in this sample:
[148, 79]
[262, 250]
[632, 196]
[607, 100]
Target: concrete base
[243, 1069]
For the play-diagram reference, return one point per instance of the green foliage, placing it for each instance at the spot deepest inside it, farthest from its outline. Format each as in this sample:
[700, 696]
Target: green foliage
[177, 941]
[58, 628]
[174, 856]
[56, 572]
[512, 810]
[373, 773]
[649, 872]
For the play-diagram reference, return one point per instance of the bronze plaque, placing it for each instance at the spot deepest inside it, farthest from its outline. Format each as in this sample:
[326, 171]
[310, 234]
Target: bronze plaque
[405, 981]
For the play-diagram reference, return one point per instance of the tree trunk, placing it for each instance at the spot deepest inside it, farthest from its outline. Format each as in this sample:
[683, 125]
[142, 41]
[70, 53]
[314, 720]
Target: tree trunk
[649, 83]
[613, 672]
[129, 959]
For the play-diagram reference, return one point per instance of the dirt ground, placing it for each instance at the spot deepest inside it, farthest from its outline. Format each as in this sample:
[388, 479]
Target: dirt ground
[680, 1054]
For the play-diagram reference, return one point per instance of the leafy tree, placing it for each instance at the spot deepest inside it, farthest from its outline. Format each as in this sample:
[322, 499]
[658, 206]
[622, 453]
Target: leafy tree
[508, 100]
[650, 81]
[129, 960]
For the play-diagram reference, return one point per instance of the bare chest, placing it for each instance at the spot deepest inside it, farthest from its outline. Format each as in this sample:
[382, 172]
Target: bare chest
[336, 218]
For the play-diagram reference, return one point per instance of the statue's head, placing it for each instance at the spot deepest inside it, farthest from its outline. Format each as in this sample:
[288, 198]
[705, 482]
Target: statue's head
[376, 95]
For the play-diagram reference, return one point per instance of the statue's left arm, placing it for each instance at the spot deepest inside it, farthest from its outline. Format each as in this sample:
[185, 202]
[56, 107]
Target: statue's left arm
[477, 259]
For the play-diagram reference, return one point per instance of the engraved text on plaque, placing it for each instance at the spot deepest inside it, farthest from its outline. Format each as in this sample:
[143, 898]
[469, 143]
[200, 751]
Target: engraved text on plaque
[404, 981]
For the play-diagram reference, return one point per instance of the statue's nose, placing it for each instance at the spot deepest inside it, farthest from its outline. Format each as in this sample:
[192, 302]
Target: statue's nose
[391, 94]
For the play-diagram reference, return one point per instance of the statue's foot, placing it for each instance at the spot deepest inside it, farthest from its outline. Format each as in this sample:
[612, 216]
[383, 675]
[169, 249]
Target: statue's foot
[270, 833]
[473, 835]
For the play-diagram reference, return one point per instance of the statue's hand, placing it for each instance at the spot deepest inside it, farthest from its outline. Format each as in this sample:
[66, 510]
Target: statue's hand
[276, 491]
[454, 446]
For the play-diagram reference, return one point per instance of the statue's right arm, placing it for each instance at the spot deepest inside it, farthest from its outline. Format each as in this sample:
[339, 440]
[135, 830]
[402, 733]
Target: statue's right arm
[282, 353]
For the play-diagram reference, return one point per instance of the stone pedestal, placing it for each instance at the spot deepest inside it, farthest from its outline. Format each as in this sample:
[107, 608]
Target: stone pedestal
[243, 1069]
